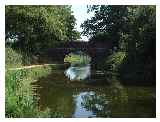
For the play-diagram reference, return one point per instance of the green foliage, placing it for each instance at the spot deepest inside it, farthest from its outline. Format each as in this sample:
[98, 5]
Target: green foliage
[131, 29]
[115, 60]
[106, 19]
[12, 58]
[32, 28]
[77, 59]
[20, 101]
[15, 58]
[113, 64]
[101, 37]
[141, 45]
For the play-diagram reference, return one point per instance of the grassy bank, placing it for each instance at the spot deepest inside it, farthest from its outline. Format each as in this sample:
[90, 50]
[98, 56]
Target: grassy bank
[12, 58]
[20, 101]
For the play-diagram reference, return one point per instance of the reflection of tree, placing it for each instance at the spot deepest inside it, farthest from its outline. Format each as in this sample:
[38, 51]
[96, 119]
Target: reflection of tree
[96, 103]
[57, 100]
[118, 92]
[119, 100]
[113, 104]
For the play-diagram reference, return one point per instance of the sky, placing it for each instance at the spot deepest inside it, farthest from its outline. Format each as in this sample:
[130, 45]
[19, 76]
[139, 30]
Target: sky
[80, 13]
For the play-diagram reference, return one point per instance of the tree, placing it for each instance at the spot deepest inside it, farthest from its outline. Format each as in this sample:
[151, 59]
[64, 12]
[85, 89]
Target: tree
[32, 28]
[107, 19]
[130, 28]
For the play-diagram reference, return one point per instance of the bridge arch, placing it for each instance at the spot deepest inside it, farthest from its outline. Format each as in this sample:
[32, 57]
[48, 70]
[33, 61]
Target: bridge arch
[94, 50]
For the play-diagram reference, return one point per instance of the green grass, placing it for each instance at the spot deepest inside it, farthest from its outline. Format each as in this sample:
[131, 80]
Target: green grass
[12, 58]
[16, 58]
[20, 101]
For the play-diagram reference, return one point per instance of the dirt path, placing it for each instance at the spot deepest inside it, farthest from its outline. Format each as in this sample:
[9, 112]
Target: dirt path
[33, 66]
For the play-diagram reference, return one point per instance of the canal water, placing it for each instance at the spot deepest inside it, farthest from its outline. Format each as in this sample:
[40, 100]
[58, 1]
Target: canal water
[82, 92]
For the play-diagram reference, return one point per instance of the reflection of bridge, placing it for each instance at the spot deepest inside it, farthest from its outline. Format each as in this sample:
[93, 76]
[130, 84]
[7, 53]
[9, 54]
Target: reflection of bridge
[93, 49]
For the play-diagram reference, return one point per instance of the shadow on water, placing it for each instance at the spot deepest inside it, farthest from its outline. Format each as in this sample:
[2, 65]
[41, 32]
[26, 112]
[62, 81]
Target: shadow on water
[92, 96]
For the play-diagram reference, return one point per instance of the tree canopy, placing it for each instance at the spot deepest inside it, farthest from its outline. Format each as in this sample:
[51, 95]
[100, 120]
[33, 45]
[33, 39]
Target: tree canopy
[33, 28]
[131, 29]
[121, 23]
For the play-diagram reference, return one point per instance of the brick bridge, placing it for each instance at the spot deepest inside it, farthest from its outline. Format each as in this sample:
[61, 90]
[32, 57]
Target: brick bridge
[95, 50]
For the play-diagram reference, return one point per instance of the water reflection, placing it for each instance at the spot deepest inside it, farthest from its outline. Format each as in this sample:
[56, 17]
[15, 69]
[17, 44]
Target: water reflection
[78, 73]
[78, 99]
[80, 68]
[98, 104]
[80, 110]
[91, 101]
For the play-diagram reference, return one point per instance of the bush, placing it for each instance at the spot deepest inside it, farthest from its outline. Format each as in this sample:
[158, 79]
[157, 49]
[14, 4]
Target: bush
[15, 58]
[113, 64]
[12, 58]
[138, 71]
[115, 60]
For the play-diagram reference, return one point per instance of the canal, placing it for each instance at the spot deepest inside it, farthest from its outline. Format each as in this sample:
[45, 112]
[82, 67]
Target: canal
[78, 90]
